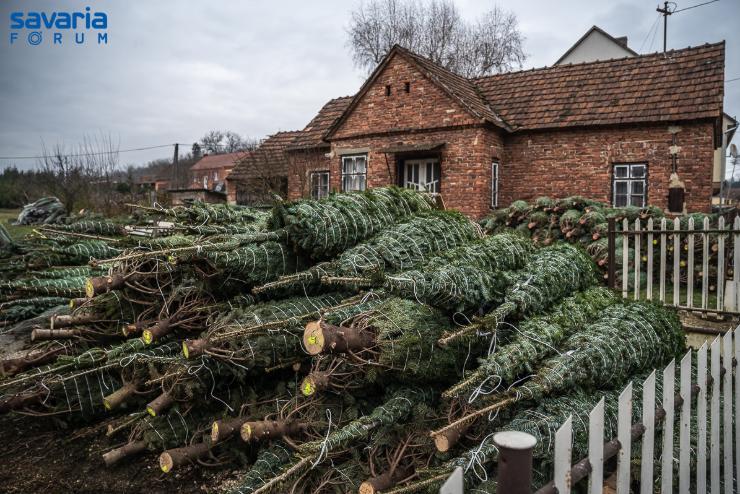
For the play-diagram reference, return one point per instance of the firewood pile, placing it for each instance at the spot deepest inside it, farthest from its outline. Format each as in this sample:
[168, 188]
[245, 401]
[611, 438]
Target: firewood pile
[364, 342]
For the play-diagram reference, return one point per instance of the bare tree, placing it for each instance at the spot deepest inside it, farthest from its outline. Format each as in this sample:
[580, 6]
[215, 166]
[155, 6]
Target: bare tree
[435, 29]
[211, 142]
[224, 141]
[85, 175]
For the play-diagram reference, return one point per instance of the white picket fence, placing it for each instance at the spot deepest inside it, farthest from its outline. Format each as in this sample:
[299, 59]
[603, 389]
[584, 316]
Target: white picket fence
[642, 239]
[714, 459]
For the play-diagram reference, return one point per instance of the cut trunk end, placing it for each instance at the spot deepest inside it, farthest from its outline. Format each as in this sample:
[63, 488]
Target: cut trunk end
[175, 457]
[114, 456]
[119, 396]
[158, 330]
[103, 284]
[314, 382]
[320, 337]
[384, 481]
[225, 428]
[194, 348]
[159, 404]
[444, 441]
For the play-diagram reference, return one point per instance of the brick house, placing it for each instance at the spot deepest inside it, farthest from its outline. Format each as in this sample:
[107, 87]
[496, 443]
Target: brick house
[603, 129]
[210, 172]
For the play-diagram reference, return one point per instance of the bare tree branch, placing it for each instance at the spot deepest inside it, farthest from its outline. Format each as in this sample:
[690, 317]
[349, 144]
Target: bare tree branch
[435, 29]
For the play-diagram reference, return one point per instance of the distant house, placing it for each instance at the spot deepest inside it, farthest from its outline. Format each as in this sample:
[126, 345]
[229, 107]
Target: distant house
[152, 182]
[210, 171]
[596, 44]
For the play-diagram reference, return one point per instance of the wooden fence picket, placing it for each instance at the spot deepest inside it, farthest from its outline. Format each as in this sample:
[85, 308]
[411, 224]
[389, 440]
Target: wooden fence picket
[737, 406]
[676, 261]
[649, 247]
[705, 267]
[624, 435]
[701, 420]
[666, 470]
[625, 257]
[662, 259]
[563, 451]
[684, 438]
[638, 260]
[596, 448]
[648, 438]
[727, 409]
[720, 264]
[714, 442]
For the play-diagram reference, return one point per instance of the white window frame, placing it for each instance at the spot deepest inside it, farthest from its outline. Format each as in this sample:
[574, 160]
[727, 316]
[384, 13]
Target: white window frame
[319, 191]
[494, 184]
[422, 168]
[630, 177]
[357, 180]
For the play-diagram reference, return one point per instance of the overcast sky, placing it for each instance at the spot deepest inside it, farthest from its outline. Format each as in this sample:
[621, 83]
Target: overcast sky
[173, 70]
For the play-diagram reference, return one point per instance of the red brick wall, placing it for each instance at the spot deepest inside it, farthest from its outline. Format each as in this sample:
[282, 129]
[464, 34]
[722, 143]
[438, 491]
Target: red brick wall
[301, 164]
[567, 162]
[424, 106]
[465, 163]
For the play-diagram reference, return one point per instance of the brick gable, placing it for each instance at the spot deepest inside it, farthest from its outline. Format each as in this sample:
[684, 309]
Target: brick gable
[425, 106]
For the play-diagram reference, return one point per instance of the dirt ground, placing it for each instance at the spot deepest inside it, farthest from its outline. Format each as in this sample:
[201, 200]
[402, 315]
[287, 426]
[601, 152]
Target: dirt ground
[40, 456]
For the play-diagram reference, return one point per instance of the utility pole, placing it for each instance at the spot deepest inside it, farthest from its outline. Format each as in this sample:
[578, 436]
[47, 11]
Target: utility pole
[666, 12]
[175, 169]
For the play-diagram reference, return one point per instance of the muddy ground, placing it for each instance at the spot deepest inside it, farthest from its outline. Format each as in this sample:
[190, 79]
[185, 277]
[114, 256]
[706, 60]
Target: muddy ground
[40, 455]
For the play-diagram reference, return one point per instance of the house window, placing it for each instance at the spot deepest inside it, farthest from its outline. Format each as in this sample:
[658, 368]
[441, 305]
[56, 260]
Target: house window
[319, 184]
[354, 173]
[629, 185]
[422, 174]
[494, 184]
[215, 176]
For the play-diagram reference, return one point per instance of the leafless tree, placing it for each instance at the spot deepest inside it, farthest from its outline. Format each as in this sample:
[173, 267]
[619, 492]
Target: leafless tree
[300, 165]
[435, 29]
[83, 176]
[224, 141]
[211, 142]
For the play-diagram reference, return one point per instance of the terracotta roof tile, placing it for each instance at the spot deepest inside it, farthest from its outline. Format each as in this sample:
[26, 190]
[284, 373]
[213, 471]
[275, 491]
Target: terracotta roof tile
[217, 161]
[684, 84]
[313, 134]
[270, 155]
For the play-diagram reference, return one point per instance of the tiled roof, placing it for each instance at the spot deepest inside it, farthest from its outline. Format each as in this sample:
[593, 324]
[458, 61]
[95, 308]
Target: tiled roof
[217, 161]
[313, 134]
[682, 85]
[268, 158]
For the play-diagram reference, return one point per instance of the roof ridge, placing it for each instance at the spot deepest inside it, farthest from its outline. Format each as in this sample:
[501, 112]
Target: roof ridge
[639, 57]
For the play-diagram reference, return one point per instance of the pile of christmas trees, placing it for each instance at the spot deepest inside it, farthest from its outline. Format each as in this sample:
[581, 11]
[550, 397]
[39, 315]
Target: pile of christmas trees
[364, 342]
[585, 222]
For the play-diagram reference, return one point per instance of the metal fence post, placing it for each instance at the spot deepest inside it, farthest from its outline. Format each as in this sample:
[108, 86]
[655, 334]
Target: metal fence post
[514, 462]
[612, 248]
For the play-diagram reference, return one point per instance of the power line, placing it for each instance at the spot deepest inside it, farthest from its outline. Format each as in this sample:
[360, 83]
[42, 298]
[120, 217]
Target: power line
[732, 80]
[75, 155]
[694, 6]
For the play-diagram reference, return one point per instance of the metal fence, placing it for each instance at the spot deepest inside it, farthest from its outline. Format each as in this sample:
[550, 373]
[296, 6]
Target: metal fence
[697, 421]
[689, 266]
